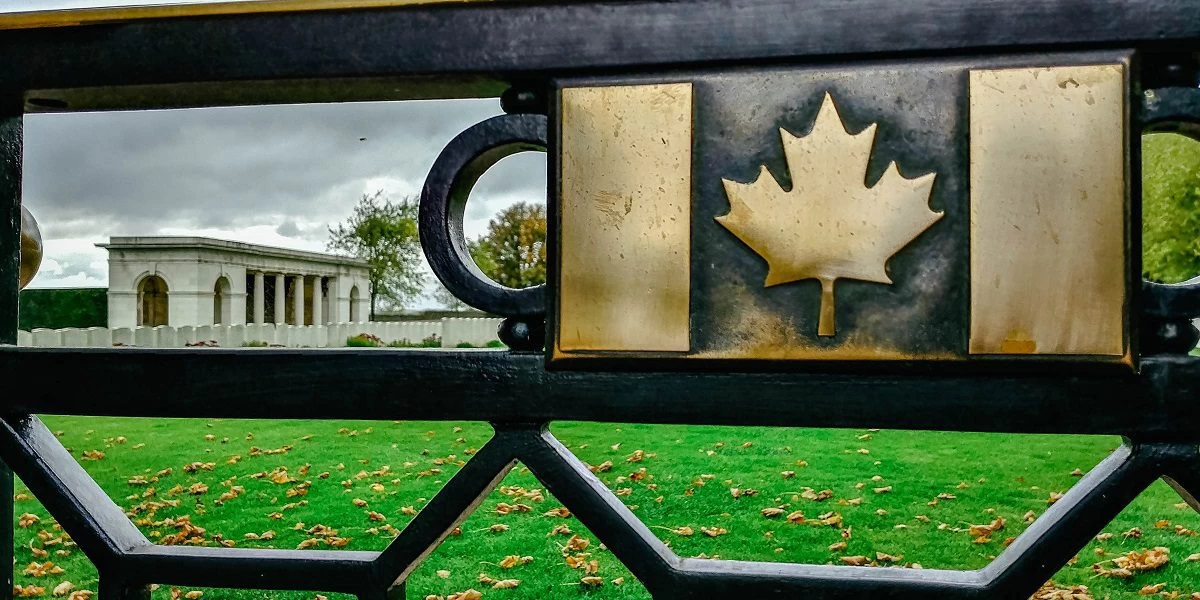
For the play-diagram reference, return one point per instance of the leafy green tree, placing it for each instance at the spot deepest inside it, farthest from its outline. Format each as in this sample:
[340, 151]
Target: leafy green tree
[513, 251]
[385, 235]
[1170, 207]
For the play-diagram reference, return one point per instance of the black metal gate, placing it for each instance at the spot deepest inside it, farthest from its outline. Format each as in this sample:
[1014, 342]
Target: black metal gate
[529, 53]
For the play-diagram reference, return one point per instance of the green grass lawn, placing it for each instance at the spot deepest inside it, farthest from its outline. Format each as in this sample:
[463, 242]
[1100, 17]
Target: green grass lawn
[990, 476]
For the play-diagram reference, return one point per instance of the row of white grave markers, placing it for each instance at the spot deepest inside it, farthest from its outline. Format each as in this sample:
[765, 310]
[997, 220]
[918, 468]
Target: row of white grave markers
[449, 332]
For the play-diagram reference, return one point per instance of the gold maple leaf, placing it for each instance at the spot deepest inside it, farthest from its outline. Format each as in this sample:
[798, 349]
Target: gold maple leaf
[830, 225]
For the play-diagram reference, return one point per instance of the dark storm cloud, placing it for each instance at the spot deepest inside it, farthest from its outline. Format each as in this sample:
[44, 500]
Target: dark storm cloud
[288, 229]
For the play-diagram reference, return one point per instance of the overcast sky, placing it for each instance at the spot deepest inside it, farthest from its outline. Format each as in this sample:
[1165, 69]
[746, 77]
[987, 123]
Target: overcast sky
[276, 175]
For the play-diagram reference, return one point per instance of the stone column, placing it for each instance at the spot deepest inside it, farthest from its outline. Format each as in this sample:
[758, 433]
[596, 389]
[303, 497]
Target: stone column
[318, 318]
[335, 313]
[260, 299]
[298, 299]
[280, 298]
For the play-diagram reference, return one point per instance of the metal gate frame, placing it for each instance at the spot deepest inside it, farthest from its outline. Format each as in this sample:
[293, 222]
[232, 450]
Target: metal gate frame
[306, 52]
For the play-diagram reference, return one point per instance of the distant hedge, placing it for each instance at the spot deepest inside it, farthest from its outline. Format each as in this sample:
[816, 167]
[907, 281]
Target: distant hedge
[67, 307]
[1170, 207]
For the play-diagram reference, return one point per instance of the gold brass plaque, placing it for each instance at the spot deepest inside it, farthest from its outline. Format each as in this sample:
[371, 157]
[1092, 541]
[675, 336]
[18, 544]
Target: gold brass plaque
[624, 217]
[1048, 210]
[944, 210]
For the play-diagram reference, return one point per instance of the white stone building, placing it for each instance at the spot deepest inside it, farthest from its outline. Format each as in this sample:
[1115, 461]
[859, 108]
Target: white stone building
[194, 281]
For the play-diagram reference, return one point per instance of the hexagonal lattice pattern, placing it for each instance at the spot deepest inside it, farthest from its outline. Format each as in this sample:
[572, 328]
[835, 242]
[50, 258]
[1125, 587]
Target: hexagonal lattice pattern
[125, 557]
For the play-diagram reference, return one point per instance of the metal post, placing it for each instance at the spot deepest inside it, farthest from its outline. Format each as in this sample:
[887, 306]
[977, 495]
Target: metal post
[10, 268]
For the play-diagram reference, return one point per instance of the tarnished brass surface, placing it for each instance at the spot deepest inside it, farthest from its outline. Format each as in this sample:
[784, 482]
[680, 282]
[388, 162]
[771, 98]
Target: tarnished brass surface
[31, 247]
[626, 160]
[1048, 206]
[34, 19]
[831, 224]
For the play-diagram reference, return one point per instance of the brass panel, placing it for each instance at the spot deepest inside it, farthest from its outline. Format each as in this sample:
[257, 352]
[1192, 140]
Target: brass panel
[71, 17]
[625, 248]
[1048, 210]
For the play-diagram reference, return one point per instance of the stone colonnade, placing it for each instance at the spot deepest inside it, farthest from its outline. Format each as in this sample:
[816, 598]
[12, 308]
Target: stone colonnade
[305, 299]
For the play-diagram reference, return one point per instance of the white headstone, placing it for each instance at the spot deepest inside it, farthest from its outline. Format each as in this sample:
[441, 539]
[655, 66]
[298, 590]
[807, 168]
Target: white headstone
[123, 336]
[100, 337]
[283, 335]
[47, 338]
[185, 335]
[74, 338]
[145, 337]
[235, 336]
[167, 337]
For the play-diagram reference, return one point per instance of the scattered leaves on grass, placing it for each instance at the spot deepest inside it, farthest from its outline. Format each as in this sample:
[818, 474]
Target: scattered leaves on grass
[821, 496]
[1051, 591]
[514, 560]
[1151, 589]
[1134, 561]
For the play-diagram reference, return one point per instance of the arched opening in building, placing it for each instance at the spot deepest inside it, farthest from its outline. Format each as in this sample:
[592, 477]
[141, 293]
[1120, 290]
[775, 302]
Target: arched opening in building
[221, 307]
[354, 316]
[152, 302]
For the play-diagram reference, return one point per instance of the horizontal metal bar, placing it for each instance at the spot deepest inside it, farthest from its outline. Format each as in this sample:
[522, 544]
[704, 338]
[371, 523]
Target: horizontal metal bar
[347, 571]
[509, 41]
[1158, 402]
[700, 578]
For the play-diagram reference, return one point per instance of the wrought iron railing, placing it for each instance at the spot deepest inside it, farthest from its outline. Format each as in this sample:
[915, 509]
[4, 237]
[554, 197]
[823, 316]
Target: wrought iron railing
[529, 53]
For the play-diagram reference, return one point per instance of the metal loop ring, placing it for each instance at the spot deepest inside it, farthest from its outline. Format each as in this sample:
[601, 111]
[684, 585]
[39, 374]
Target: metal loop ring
[1174, 110]
[444, 202]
